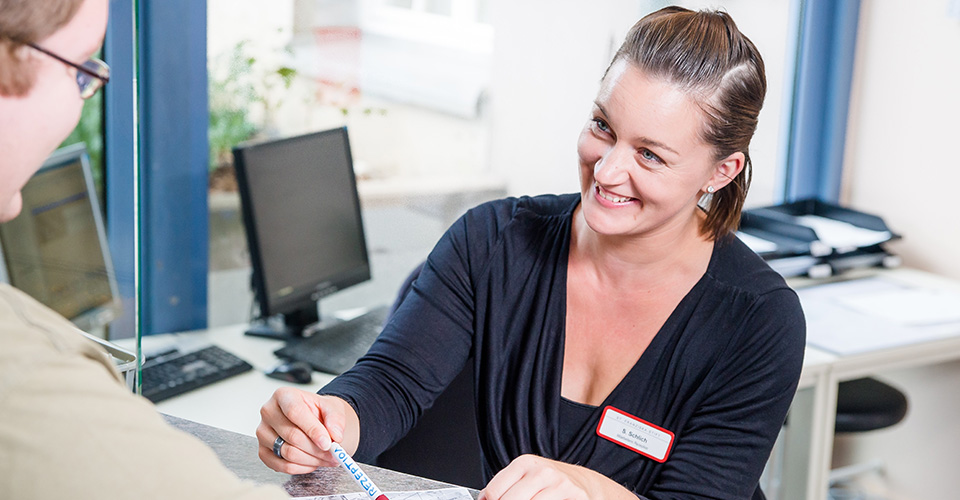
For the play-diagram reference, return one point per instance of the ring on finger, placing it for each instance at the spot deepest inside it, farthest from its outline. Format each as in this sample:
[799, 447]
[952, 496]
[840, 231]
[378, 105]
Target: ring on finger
[277, 445]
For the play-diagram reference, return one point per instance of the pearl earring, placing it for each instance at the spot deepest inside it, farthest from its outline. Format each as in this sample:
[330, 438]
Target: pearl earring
[710, 189]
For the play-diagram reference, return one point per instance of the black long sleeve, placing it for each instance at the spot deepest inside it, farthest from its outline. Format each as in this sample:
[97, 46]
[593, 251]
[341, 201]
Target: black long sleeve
[720, 374]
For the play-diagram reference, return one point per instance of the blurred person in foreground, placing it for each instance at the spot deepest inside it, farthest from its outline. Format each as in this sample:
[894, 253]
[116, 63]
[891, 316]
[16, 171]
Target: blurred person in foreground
[69, 426]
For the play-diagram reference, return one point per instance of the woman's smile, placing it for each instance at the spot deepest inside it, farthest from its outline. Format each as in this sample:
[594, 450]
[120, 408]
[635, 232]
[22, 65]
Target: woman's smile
[612, 199]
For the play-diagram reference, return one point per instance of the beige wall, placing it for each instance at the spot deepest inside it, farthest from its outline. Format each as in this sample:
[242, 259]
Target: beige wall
[902, 157]
[902, 163]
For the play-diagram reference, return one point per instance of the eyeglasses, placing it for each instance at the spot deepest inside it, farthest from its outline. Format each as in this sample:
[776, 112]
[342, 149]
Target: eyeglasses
[91, 75]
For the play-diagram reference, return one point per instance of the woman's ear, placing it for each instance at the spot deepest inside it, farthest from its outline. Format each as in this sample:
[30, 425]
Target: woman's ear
[725, 171]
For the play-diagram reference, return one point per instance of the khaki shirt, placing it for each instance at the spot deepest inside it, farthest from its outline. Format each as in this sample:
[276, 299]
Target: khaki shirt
[69, 427]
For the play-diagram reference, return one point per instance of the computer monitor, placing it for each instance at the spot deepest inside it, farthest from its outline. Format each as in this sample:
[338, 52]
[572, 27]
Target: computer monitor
[56, 249]
[305, 233]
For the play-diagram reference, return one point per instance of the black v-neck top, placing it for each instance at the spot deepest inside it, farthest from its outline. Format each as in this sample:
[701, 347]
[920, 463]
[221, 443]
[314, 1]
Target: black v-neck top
[574, 417]
[720, 374]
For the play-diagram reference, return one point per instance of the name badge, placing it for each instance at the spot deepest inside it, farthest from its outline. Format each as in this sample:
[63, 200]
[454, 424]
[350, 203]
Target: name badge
[633, 433]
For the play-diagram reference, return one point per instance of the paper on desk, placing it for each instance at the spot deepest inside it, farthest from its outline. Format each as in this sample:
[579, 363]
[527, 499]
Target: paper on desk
[871, 314]
[907, 306]
[441, 494]
[843, 235]
[756, 243]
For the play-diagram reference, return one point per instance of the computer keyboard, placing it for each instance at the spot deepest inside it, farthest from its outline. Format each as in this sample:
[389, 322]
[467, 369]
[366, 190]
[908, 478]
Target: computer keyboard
[174, 374]
[336, 348]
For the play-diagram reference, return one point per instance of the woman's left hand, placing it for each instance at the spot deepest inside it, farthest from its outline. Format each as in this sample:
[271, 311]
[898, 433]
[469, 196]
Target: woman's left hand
[530, 476]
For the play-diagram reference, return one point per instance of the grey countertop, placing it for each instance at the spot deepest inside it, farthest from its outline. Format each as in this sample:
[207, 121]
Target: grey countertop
[238, 453]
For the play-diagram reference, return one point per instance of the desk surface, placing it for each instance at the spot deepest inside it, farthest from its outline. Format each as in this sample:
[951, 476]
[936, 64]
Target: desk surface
[908, 354]
[238, 453]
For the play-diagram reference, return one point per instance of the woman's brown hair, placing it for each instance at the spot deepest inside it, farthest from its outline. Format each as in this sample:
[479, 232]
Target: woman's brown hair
[23, 22]
[705, 55]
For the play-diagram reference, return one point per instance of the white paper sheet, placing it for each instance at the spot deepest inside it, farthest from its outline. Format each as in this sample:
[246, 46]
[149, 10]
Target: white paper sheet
[441, 494]
[871, 314]
[756, 243]
[842, 235]
[908, 306]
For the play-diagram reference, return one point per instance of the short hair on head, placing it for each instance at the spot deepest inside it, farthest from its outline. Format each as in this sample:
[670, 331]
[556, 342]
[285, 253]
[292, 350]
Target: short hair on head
[705, 55]
[23, 22]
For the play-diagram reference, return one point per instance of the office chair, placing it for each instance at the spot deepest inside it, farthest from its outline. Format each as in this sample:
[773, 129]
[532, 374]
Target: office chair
[864, 405]
[867, 404]
[443, 445]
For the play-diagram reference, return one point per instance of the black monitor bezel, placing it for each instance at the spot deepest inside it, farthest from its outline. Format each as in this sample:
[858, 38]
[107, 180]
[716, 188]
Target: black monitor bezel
[306, 298]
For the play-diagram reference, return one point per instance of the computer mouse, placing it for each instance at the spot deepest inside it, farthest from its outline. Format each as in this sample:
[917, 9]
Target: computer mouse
[292, 371]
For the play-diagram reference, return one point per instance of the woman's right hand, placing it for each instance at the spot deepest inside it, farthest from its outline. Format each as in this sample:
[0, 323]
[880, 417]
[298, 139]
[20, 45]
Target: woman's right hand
[308, 423]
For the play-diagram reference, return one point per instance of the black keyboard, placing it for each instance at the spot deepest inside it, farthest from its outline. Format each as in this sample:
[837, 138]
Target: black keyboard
[336, 348]
[174, 374]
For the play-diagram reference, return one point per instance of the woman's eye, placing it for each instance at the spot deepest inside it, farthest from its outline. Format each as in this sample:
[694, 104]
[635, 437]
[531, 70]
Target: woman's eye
[601, 125]
[648, 155]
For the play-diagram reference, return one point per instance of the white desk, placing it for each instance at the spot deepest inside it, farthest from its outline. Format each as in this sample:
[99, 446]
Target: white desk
[234, 404]
[809, 439]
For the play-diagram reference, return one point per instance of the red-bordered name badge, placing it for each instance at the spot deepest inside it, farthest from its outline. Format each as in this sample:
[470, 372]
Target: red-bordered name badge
[638, 435]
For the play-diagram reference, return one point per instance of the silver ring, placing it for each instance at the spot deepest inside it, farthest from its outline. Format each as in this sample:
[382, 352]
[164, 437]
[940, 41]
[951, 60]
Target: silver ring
[276, 447]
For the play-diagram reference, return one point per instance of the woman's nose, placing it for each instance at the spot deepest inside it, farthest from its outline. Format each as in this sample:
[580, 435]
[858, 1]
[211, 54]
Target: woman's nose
[613, 166]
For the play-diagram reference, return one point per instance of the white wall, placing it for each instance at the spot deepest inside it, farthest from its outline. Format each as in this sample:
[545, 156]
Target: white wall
[904, 127]
[901, 162]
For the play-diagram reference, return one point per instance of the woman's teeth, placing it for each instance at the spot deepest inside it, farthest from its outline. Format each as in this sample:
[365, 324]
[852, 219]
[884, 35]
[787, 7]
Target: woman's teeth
[612, 198]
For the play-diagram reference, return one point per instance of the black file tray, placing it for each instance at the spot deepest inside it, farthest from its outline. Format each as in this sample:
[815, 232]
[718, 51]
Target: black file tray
[780, 225]
[791, 239]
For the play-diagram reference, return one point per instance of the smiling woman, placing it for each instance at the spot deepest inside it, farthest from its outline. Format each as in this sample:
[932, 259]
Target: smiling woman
[586, 317]
[717, 79]
[642, 153]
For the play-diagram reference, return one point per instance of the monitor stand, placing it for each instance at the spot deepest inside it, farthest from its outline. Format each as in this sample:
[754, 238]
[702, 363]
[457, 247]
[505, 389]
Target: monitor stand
[337, 348]
[291, 326]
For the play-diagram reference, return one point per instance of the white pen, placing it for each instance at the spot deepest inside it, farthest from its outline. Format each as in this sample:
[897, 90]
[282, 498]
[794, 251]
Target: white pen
[356, 473]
